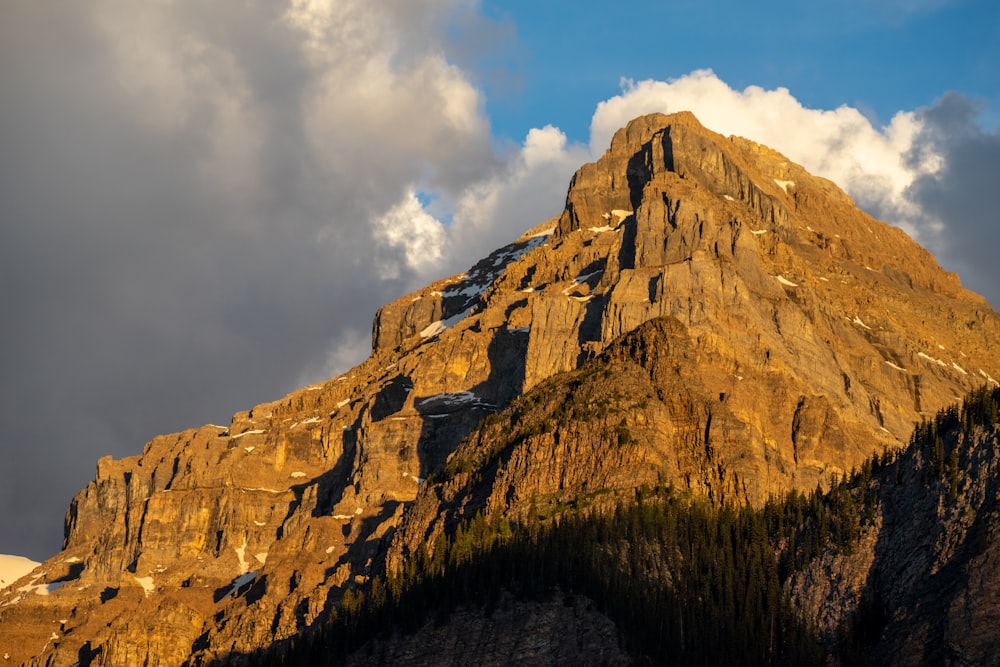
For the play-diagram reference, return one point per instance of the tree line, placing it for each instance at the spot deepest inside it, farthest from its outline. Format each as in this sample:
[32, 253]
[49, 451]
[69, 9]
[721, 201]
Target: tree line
[685, 582]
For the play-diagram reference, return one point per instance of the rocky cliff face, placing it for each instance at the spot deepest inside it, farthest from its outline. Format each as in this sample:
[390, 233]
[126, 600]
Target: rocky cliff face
[704, 313]
[922, 586]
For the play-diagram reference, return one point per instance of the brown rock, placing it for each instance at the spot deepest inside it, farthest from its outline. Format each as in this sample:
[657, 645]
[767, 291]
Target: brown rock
[777, 335]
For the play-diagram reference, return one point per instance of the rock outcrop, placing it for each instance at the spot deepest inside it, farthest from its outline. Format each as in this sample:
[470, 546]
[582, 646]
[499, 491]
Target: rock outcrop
[922, 586]
[704, 313]
[568, 631]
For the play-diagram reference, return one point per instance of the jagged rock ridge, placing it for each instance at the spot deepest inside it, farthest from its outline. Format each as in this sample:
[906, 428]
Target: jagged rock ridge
[777, 333]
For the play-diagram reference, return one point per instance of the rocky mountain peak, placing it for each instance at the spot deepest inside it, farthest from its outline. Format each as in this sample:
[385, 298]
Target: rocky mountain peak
[704, 313]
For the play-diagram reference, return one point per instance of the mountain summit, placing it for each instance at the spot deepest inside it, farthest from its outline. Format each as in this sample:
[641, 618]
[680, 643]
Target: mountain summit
[703, 314]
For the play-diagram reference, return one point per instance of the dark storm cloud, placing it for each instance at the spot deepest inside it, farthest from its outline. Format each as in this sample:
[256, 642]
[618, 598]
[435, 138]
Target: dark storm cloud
[185, 196]
[963, 194]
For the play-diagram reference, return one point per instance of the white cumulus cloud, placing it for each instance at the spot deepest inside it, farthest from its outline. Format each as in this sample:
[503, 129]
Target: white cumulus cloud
[875, 165]
[411, 230]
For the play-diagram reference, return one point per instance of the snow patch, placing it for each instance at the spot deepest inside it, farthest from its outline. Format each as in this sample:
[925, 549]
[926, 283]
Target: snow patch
[436, 328]
[784, 184]
[249, 449]
[785, 281]
[343, 403]
[298, 474]
[312, 420]
[449, 402]
[602, 228]
[261, 557]
[256, 431]
[758, 232]
[857, 320]
[508, 256]
[958, 368]
[260, 523]
[932, 359]
[987, 376]
[147, 584]
[241, 553]
[13, 568]
[579, 280]
[728, 197]
[587, 276]
[898, 368]
[239, 582]
[472, 290]
[545, 233]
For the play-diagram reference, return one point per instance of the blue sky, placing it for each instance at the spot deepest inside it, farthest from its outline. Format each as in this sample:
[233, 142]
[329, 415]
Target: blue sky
[203, 204]
[879, 56]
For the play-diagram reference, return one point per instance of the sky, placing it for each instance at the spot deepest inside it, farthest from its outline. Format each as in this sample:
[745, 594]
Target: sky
[203, 204]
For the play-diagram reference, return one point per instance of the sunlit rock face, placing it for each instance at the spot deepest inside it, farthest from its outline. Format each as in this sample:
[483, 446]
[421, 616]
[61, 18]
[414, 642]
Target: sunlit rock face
[704, 313]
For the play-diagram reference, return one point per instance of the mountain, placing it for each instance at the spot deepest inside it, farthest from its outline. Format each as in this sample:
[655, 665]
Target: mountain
[704, 315]
[922, 584]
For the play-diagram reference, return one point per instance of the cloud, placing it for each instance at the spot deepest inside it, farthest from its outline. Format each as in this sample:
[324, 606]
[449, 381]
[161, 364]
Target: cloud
[963, 191]
[874, 165]
[349, 347]
[194, 198]
[529, 188]
[410, 231]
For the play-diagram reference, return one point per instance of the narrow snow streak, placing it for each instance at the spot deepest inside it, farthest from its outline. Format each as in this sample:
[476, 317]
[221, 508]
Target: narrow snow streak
[932, 359]
[256, 431]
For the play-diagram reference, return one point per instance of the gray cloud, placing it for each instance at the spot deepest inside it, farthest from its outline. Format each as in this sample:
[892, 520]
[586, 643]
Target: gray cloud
[186, 195]
[963, 193]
